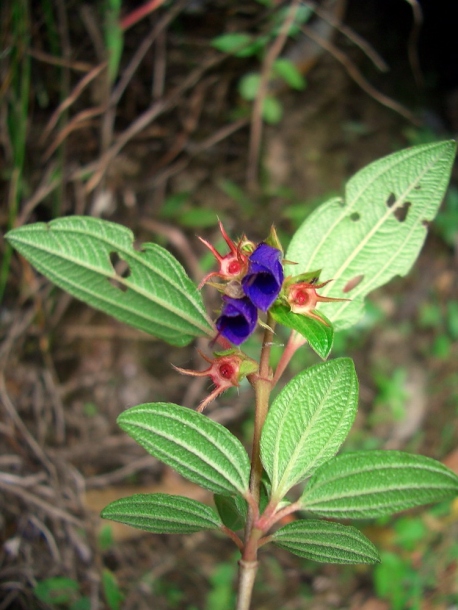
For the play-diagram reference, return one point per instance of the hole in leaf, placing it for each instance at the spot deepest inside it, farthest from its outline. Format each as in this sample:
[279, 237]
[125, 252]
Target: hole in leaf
[351, 284]
[355, 216]
[426, 223]
[417, 187]
[121, 269]
[391, 200]
[401, 213]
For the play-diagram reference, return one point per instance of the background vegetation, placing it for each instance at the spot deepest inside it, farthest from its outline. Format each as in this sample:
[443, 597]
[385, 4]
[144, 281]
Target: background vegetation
[165, 118]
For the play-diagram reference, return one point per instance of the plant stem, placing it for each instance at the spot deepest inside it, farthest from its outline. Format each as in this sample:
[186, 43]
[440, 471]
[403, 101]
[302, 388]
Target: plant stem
[294, 343]
[247, 575]
[262, 383]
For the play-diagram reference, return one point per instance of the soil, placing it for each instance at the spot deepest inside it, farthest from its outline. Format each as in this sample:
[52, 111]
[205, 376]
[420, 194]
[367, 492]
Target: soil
[67, 371]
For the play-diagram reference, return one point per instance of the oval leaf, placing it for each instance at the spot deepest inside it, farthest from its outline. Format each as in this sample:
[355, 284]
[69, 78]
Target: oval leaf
[319, 335]
[200, 449]
[307, 422]
[162, 514]
[155, 296]
[232, 510]
[369, 484]
[326, 542]
[376, 233]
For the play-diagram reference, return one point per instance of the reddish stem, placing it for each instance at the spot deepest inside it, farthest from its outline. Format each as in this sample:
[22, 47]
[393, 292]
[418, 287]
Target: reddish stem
[139, 13]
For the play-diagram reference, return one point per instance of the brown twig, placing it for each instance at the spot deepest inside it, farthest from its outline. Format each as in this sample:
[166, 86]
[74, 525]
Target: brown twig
[256, 115]
[74, 95]
[80, 121]
[78, 66]
[412, 48]
[355, 38]
[359, 79]
[156, 109]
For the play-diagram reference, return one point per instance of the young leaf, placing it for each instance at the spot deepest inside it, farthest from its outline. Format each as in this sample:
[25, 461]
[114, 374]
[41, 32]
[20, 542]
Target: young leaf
[377, 231]
[287, 70]
[162, 514]
[307, 422]
[200, 449]
[326, 542]
[156, 296]
[111, 590]
[318, 334]
[369, 484]
[232, 510]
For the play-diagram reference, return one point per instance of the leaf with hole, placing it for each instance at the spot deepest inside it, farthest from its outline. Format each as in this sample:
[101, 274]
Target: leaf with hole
[376, 232]
[162, 514]
[307, 422]
[198, 448]
[369, 484]
[319, 335]
[154, 294]
[326, 542]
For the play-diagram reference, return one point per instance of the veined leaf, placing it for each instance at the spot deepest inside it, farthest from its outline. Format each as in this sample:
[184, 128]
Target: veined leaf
[307, 422]
[368, 484]
[162, 514]
[232, 510]
[200, 449]
[318, 334]
[377, 231]
[326, 542]
[156, 296]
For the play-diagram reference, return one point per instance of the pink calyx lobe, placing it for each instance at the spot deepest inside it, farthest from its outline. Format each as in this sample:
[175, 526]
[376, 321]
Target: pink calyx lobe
[232, 265]
[302, 297]
[226, 370]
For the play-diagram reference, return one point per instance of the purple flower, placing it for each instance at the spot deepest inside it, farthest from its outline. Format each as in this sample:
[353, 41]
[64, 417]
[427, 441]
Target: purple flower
[237, 320]
[264, 279]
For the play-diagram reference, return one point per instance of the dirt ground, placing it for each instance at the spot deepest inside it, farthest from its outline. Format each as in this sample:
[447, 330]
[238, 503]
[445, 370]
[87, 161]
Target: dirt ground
[172, 152]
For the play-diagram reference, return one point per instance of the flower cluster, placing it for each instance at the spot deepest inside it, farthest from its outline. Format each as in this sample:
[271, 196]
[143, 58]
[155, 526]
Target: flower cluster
[253, 277]
[252, 281]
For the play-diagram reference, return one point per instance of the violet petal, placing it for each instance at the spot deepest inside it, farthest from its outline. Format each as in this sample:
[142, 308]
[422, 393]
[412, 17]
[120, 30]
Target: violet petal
[238, 319]
[263, 282]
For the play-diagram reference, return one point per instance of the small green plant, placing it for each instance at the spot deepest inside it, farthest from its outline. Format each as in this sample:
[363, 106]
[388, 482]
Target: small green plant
[61, 592]
[244, 45]
[345, 249]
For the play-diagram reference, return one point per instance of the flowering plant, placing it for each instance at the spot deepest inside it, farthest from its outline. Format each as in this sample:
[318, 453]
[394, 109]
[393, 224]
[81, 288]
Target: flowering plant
[357, 244]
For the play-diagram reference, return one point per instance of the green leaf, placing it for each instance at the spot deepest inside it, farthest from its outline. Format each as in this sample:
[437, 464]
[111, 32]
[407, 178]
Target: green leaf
[56, 590]
[198, 218]
[307, 422]
[326, 542]
[319, 335]
[272, 110]
[287, 70]
[249, 85]
[113, 595]
[114, 37]
[156, 296]
[232, 510]
[200, 449]
[162, 514]
[239, 44]
[369, 484]
[377, 231]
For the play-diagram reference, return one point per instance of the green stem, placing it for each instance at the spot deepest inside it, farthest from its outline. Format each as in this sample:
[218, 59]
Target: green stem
[262, 383]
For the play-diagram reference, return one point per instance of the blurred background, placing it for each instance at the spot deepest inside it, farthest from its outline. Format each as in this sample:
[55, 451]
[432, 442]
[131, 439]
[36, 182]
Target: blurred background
[166, 116]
